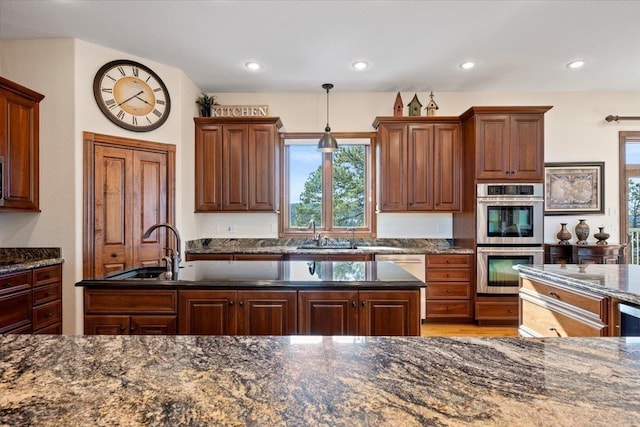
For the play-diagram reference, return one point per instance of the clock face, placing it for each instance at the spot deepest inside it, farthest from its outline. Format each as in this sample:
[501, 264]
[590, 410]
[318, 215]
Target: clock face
[131, 95]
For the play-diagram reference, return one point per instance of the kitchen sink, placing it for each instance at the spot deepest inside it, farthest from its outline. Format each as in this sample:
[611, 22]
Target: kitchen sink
[327, 248]
[139, 273]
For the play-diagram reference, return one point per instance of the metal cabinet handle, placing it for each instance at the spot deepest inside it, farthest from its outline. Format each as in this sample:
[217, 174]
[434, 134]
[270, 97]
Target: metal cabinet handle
[241, 303]
[49, 314]
[114, 255]
[553, 294]
[353, 304]
[132, 329]
[364, 303]
[555, 330]
[231, 302]
[122, 328]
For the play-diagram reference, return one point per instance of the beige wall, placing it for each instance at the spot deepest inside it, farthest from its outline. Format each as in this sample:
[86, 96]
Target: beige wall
[63, 71]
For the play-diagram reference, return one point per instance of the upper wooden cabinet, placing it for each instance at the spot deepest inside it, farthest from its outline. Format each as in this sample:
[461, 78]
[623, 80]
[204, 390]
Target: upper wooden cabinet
[19, 145]
[508, 141]
[236, 164]
[419, 163]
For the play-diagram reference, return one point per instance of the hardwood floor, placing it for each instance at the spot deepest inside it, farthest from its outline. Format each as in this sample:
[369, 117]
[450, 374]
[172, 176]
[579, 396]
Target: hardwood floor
[466, 330]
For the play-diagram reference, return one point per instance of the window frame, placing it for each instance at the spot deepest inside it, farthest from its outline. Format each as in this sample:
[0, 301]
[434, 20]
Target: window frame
[370, 190]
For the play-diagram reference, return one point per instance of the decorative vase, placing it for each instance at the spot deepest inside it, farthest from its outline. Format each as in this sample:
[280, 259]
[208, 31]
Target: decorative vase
[563, 235]
[205, 111]
[582, 232]
[601, 236]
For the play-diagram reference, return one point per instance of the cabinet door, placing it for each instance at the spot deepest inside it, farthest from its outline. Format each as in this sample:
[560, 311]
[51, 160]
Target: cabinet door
[208, 159]
[20, 148]
[207, 312]
[267, 313]
[419, 168]
[526, 147]
[328, 312]
[392, 159]
[235, 170]
[492, 148]
[262, 168]
[447, 168]
[106, 325]
[15, 311]
[389, 313]
[153, 325]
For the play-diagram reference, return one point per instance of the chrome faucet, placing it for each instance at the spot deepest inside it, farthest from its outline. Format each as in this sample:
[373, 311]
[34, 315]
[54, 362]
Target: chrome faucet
[175, 254]
[316, 237]
[353, 237]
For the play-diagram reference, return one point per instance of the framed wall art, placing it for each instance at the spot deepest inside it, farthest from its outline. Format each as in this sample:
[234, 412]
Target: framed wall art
[574, 188]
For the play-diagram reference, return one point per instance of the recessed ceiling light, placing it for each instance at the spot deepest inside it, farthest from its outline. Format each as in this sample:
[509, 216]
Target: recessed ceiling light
[575, 64]
[253, 66]
[360, 65]
[467, 65]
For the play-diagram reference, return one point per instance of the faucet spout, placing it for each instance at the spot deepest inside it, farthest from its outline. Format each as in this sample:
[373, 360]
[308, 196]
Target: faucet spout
[175, 254]
[316, 237]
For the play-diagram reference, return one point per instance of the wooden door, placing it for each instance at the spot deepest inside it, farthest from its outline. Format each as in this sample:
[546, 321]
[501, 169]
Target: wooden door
[527, 147]
[262, 168]
[392, 159]
[153, 325]
[328, 313]
[390, 313]
[106, 325]
[208, 170]
[492, 148]
[267, 313]
[420, 168]
[235, 172]
[447, 168]
[129, 186]
[207, 312]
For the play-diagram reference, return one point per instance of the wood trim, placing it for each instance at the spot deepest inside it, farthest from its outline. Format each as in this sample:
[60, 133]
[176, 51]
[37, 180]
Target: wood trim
[407, 120]
[238, 120]
[623, 138]
[505, 110]
[90, 140]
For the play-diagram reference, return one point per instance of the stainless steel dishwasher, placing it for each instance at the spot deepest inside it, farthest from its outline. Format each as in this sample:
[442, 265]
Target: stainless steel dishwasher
[414, 264]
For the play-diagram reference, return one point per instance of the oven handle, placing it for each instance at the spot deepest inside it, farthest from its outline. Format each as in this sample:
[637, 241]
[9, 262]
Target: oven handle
[510, 202]
[511, 250]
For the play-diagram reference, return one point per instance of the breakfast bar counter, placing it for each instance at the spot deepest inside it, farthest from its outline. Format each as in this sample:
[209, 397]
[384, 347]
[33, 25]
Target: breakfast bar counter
[313, 380]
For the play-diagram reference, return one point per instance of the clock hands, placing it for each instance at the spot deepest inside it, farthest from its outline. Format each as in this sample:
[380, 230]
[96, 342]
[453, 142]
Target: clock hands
[143, 100]
[131, 97]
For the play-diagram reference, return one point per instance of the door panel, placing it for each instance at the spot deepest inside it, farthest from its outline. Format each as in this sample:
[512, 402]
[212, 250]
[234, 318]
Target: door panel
[328, 312]
[420, 168]
[207, 312]
[267, 313]
[236, 174]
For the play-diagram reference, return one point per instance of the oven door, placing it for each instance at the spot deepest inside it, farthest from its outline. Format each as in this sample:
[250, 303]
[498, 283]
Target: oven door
[515, 222]
[496, 274]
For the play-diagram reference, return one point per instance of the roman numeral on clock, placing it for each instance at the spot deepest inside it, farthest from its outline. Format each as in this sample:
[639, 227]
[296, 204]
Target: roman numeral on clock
[121, 114]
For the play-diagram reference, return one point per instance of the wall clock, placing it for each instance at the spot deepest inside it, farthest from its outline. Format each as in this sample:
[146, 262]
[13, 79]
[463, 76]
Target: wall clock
[131, 95]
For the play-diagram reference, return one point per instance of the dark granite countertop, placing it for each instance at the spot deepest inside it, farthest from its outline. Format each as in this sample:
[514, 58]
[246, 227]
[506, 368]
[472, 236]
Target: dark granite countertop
[271, 274]
[318, 381]
[15, 260]
[620, 281]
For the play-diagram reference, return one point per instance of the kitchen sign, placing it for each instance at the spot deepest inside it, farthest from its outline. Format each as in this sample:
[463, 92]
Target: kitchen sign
[239, 110]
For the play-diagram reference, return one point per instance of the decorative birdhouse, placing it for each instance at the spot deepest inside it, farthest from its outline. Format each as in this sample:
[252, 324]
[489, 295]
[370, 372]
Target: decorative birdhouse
[398, 106]
[431, 106]
[414, 106]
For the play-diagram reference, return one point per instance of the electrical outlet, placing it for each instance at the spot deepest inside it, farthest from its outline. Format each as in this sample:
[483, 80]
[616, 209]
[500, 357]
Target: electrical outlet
[231, 228]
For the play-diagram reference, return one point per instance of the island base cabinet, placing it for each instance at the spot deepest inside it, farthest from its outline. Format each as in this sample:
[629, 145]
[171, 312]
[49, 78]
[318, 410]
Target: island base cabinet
[389, 313]
[207, 312]
[267, 313]
[328, 312]
[130, 325]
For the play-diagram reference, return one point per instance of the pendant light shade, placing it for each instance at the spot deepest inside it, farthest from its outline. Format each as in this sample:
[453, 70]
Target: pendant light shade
[327, 143]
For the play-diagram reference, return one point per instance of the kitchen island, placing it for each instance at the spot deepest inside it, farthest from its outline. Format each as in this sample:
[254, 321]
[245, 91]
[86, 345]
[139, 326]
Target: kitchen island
[337, 381]
[256, 298]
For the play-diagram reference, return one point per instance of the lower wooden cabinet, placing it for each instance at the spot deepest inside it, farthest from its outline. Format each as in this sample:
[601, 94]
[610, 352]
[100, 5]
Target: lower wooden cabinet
[492, 310]
[130, 325]
[374, 312]
[31, 301]
[551, 310]
[449, 288]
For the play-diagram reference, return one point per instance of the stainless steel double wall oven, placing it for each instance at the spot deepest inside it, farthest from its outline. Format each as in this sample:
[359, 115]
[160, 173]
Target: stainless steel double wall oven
[509, 224]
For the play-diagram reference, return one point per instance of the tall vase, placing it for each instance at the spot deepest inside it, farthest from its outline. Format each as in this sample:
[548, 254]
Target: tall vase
[601, 236]
[563, 235]
[582, 232]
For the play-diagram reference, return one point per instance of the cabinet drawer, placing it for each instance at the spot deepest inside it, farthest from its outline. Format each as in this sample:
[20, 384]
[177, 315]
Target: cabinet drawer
[47, 314]
[47, 293]
[441, 309]
[45, 275]
[594, 304]
[496, 310]
[448, 291]
[102, 301]
[15, 311]
[547, 322]
[15, 282]
[449, 260]
[448, 275]
[54, 329]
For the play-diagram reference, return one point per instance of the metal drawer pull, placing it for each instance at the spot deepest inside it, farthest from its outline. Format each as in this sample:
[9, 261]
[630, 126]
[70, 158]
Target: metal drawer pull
[49, 314]
[553, 294]
[555, 330]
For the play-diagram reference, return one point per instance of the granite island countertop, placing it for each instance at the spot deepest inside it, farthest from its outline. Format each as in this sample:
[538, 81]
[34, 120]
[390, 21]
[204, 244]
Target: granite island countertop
[308, 380]
[620, 281]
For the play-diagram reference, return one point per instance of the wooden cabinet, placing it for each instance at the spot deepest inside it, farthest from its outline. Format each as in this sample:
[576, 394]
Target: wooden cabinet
[584, 254]
[507, 142]
[449, 288]
[500, 310]
[420, 164]
[236, 164]
[19, 146]
[31, 301]
[552, 310]
[228, 312]
[236, 257]
[372, 312]
[130, 311]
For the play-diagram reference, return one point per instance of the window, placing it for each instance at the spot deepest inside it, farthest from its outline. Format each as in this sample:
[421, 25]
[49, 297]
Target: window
[334, 189]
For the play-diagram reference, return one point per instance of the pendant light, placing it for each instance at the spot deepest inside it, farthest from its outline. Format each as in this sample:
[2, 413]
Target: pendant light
[327, 143]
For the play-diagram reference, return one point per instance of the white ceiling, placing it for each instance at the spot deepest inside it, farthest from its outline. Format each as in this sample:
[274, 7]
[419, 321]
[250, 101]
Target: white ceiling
[411, 45]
